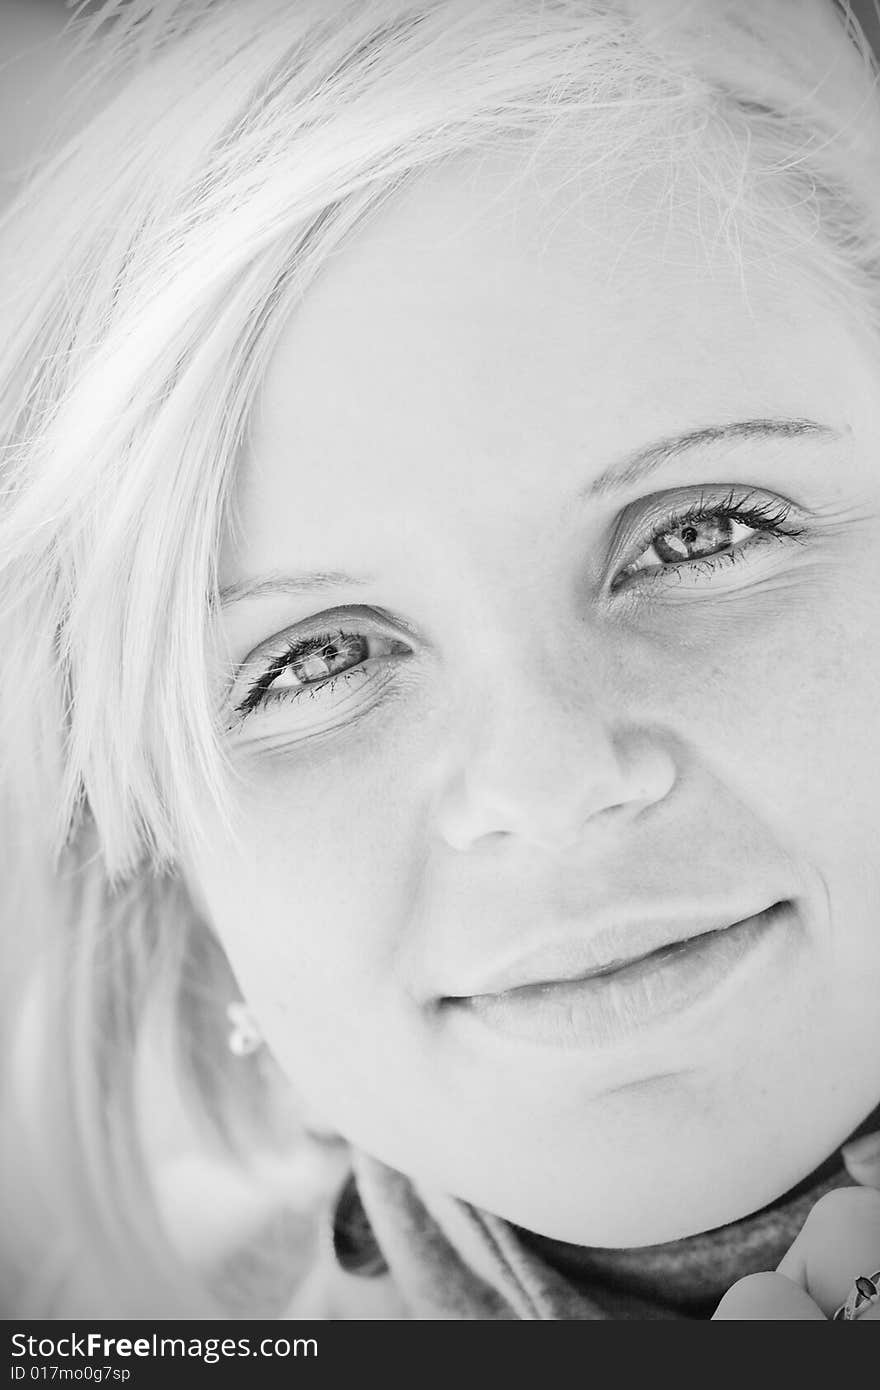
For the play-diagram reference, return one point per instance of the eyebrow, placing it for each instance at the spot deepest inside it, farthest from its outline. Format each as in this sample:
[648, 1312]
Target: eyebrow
[289, 584]
[634, 467]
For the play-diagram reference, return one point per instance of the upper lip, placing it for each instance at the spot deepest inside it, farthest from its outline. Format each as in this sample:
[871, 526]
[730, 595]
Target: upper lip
[608, 946]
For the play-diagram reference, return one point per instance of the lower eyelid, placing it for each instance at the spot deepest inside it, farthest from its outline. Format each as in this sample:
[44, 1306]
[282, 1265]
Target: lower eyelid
[292, 739]
[372, 640]
[654, 575]
[742, 555]
[290, 697]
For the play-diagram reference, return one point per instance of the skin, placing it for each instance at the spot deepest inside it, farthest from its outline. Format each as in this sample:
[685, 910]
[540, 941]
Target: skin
[839, 1240]
[549, 751]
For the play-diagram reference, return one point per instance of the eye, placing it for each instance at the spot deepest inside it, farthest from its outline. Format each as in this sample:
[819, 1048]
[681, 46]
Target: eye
[695, 540]
[327, 667]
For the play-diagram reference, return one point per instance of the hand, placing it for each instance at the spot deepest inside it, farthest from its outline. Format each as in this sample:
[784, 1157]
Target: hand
[839, 1240]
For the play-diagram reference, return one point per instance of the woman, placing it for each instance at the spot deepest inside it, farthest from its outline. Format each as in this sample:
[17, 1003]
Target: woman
[440, 609]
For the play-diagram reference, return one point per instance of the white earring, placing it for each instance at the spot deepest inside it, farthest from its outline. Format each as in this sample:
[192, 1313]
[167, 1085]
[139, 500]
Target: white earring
[244, 1037]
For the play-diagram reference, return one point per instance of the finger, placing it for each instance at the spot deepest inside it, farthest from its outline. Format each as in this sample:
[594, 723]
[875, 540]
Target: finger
[762, 1296]
[862, 1159]
[839, 1240]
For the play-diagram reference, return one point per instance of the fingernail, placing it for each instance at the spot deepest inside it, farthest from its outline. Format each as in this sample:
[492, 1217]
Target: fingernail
[864, 1150]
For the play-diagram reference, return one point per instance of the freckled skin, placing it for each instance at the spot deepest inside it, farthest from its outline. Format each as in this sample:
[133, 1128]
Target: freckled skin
[466, 366]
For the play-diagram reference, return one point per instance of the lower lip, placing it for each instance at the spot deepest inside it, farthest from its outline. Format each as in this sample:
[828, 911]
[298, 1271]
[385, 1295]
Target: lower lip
[604, 1010]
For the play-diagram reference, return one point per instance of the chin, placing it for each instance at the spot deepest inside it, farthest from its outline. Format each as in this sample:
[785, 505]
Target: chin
[634, 1218]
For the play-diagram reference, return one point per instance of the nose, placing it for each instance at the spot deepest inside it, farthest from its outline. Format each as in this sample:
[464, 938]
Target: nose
[544, 769]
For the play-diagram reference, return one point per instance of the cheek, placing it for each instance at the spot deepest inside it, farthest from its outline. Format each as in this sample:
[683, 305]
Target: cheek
[313, 911]
[777, 697]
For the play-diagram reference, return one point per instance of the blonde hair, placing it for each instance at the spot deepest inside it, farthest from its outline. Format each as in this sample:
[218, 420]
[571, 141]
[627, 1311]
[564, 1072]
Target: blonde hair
[146, 272]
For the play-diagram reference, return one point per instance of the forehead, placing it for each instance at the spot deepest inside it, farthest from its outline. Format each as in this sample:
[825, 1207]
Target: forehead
[502, 323]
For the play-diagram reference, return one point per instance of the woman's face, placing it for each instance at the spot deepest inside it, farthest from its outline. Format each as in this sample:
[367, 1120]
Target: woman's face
[581, 526]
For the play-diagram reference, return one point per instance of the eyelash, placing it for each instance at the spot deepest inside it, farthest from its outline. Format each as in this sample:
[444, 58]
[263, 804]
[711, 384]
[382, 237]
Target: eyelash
[259, 694]
[767, 516]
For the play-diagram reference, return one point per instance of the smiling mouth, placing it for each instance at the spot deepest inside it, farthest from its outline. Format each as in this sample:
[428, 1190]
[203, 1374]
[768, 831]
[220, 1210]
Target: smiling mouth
[601, 1004]
[658, 954]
